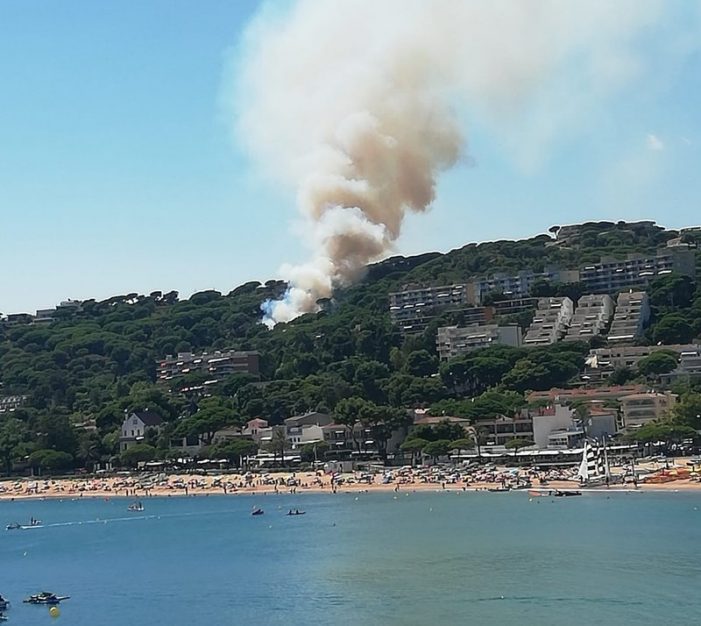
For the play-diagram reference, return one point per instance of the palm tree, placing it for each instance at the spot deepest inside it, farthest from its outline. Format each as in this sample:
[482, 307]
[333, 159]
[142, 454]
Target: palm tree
[480, 435]
[277, 444]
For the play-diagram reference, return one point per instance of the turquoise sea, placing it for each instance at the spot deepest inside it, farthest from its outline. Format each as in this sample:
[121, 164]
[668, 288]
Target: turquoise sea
[418, 558]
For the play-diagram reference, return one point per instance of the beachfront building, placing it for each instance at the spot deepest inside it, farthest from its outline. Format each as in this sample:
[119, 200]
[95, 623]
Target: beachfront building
[500, 429]
[306, 428]
[547, 420]
[636, 271]
[558, 425]
[215, 364]
[591, 318]
[631, 318]
[453, 341]
[338, 437]
[550, 322]
[255, 429]
[565, 438]
[601, 421]
[9, 404]
[136, 426]
[641, 408]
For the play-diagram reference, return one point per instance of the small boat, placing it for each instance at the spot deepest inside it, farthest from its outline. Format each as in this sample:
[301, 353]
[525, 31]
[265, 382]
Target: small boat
[564, 494]
[534, 493]
[257, 512]
[13, 526]
[33, 523]
[3, 618]
[135, 507]
[4, 604]
[45, 597]
[296, 512]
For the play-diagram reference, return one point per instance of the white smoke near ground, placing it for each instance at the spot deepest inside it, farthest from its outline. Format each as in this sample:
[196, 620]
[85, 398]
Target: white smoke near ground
[357, 105]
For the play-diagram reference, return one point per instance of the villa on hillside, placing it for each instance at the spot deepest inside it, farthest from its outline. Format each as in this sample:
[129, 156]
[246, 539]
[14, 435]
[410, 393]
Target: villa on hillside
[135, 427]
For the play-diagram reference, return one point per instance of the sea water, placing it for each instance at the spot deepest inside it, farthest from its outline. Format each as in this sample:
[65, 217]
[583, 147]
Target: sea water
[435, 558]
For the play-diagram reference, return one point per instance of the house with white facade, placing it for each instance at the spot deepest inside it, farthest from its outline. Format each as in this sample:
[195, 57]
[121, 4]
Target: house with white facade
[136, 426]
[306, 428]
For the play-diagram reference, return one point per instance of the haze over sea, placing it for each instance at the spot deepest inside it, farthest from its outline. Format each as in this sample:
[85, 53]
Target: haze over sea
[441, 558]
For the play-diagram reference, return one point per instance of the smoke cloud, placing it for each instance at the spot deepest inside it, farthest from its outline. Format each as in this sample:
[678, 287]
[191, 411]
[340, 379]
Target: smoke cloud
[358, 105]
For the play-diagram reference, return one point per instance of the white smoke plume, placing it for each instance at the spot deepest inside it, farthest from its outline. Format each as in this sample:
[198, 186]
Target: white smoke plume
[358, 103]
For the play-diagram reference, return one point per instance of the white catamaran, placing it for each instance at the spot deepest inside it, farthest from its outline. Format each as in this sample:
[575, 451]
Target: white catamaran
[594, 468]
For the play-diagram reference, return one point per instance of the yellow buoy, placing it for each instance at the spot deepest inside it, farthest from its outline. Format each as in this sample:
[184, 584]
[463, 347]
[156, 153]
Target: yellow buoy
[54, 611]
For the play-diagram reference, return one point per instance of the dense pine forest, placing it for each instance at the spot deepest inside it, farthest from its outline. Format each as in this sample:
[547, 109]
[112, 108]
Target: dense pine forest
[81, 372]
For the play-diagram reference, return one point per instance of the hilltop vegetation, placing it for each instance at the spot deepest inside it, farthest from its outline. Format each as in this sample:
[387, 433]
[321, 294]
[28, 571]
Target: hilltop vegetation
[100, 362]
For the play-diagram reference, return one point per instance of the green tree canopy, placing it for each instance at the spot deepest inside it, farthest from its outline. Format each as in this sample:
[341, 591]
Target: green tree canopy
[462, 444]
[517, 443]
[672, 329]
[138, 453]
[50, 460]
[436, 449]
[660, 362]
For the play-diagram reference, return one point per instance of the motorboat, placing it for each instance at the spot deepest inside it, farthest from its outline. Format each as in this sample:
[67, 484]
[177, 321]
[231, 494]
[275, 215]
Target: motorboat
[135, 507]
[4, 604]
[564, 494]
[13, 526]
[257, 511]
[296, 512]
[556, 493]
[45, 597]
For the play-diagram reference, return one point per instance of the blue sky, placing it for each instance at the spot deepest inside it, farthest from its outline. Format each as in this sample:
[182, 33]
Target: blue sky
[119, 172]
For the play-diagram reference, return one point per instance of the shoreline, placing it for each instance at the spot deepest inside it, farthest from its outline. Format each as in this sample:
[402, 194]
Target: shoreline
[680, 486]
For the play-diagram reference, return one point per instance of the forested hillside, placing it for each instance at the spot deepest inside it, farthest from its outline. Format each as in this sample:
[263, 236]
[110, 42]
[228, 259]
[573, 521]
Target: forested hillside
[94, 365]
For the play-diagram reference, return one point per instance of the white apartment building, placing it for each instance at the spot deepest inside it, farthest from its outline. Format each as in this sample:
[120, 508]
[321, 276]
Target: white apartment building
[636, 270]
[550, 323]
[547, 421]
[11, 403]
[413, 308]
[517, 285]
[215, 363]
[455, 341]
[631, 317]
[591, 317]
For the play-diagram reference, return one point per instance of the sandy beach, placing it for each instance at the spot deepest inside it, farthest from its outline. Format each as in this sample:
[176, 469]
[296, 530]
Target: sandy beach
[140, 485]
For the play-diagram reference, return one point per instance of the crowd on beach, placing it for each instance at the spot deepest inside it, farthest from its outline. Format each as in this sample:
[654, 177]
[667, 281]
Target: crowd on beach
[475, 477]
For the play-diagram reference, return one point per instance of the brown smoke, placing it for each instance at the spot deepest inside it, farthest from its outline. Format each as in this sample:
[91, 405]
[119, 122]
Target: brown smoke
[352, 103]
